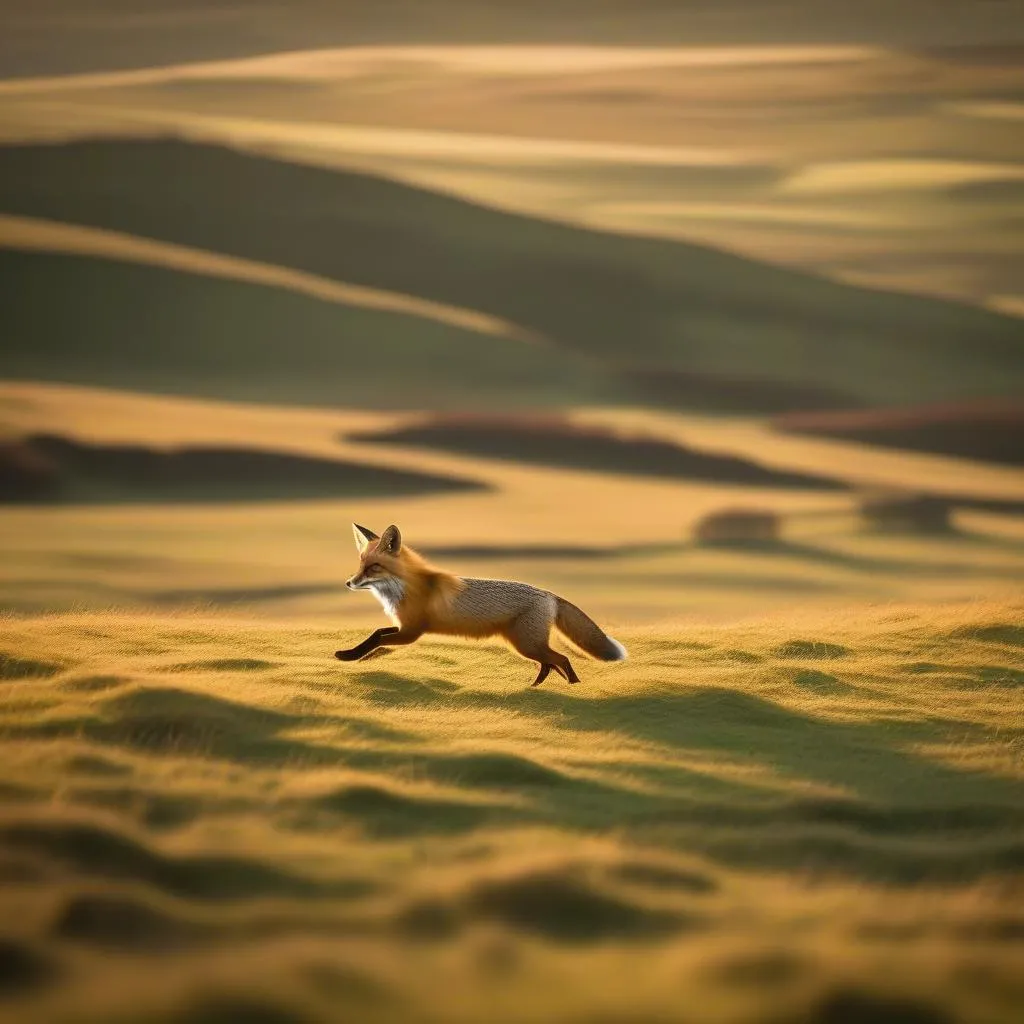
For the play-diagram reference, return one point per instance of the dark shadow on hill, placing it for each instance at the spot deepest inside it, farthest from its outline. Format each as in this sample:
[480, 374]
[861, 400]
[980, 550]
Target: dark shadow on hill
[387, 814]
[906, 818]
[846, 1005]
[989, 431]
[558, 904]
[12, 668]
[800, 551]
[178, 722]
[859, 757]
[101, 852]
[48, 468]
[556, 441]
[690, 389]
[979, 503]
[23, 968]
[628, 302]
[780, 549]
[128, 922]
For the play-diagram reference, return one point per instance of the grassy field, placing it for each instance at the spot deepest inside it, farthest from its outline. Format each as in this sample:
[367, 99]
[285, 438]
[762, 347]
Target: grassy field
[801, 799]
[619, 543]
[790, 819]
[550, 289]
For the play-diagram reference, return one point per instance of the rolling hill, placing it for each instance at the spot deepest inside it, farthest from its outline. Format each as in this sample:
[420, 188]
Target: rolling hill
[635, 305]
[158, 329]
[792, 820]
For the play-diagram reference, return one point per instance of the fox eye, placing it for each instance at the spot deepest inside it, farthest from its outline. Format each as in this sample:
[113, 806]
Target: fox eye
[372, 569]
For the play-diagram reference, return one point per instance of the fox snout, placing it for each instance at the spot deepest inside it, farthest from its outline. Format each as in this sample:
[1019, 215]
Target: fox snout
[353, 582]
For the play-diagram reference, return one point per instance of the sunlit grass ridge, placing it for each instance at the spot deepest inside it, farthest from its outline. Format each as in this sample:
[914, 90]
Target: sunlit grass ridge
[833, 806]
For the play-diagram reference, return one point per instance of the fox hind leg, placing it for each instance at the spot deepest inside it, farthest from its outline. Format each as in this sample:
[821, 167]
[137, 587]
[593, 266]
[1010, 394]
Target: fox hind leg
[564, 666]
[554, 660]
[529, 636]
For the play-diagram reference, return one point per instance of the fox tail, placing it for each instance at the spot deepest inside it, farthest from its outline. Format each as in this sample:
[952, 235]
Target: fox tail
[586, 634]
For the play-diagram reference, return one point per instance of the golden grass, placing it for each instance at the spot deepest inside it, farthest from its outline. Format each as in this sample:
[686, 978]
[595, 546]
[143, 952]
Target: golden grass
[290, 558]
[802, 799]
[796, 818]
[813, 816]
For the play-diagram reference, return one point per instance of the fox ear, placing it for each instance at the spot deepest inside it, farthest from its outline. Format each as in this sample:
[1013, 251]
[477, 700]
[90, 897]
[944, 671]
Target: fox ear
[390, 541]
[363, 537]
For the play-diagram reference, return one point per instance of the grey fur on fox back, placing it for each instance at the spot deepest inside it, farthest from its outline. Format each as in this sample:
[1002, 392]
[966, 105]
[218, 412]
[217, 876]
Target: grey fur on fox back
[419, 598]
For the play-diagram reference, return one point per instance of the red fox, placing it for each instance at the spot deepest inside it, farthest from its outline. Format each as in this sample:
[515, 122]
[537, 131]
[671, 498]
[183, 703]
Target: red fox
[420, 599]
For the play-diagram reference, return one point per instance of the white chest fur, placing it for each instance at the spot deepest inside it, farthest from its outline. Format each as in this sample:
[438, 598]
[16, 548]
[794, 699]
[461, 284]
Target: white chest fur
[389, 593]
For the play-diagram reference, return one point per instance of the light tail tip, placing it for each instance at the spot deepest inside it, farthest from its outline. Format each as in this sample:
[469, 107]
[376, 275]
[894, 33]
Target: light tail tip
[621, 654]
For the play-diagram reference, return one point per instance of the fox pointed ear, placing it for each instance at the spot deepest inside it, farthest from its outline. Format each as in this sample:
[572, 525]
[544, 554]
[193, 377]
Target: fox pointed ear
[363, 536]
[390, 541]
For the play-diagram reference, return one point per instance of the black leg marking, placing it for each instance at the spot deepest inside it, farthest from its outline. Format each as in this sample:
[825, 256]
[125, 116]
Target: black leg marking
[541, 675]
[563, 666]
[368, 645]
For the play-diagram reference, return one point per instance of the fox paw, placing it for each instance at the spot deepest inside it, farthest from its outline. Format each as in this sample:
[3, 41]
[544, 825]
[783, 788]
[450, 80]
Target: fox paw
[346, 655]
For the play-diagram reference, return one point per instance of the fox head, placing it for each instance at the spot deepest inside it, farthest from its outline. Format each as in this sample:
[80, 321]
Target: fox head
[380, 561]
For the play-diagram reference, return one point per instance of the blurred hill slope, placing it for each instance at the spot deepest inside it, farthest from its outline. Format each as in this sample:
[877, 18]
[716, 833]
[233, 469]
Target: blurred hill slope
[633, 304]
[52, 37]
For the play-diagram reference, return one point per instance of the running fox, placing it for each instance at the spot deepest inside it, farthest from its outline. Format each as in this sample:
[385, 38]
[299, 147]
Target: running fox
[420, 599]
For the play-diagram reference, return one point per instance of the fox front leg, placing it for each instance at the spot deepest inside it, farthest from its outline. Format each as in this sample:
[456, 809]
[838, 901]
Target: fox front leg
[371, 643]
[386, 636]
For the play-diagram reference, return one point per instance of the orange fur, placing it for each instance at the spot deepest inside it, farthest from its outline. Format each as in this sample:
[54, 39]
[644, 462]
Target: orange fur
[428, 591]
[420, 598]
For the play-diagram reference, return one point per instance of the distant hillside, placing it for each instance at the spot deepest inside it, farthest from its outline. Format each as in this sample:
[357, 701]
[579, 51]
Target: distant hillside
[78, 319]
[554, 441]
[218, 337]
[49, 468]
[58, 37]
[636, 305]
[992, 432]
